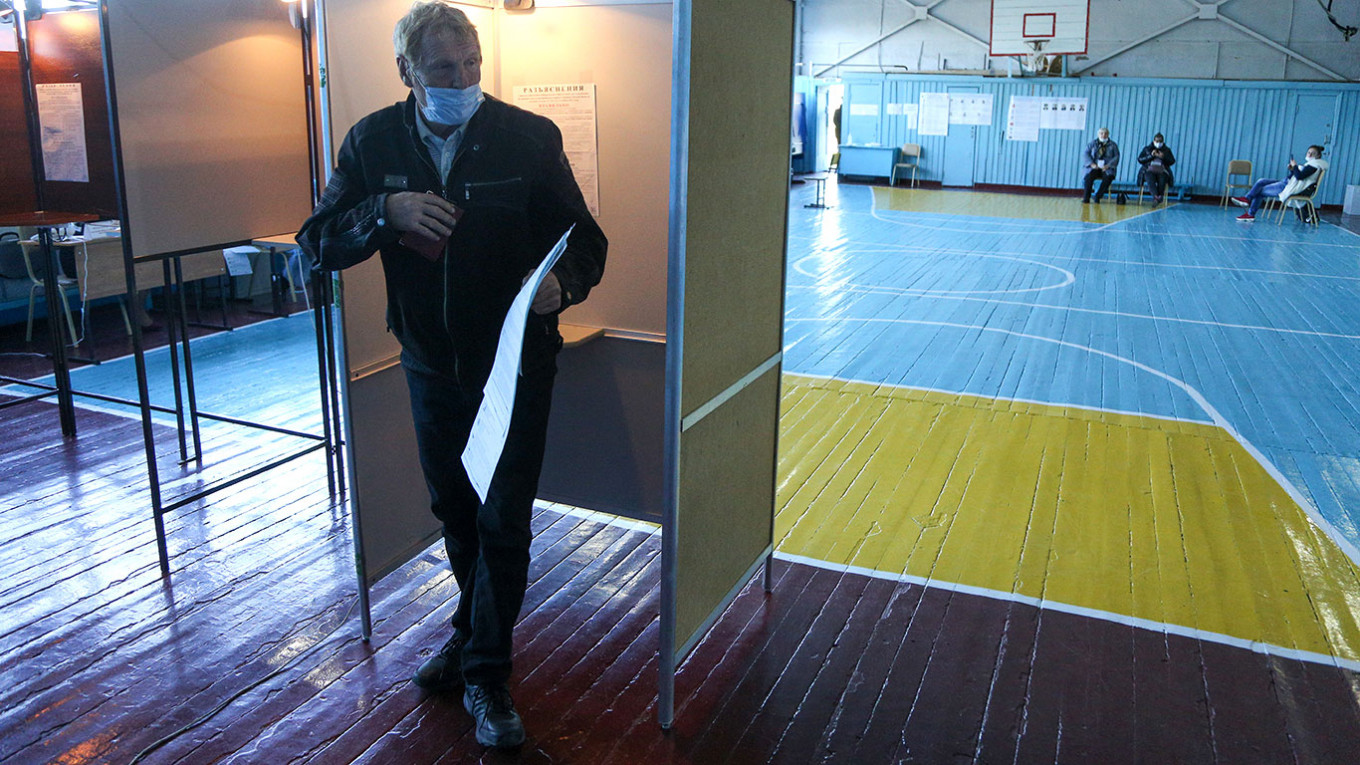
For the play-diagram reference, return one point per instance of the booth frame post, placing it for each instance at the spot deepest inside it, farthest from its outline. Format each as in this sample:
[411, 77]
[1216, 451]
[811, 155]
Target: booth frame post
[172, 330]
[179, 312]
[130, 276]
[675, 341]
[61, 372]
[177, 322]
[309, 14]
[56, 328]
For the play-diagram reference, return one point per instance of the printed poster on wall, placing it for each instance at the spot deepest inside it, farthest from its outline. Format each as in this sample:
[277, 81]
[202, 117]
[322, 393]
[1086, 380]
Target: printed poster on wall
[61, 118]
[1022, 118]
[905, 110]
[970, 109]
[934, 115]
[1063, 114]
[572, 109]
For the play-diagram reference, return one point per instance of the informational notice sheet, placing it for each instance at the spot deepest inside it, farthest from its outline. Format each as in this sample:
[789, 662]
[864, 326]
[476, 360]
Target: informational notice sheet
[572, 109]
[238, 260]
[970, 109]
[487, 439]
[1022, 119]
[934, 119]
[863, 110]
[912, 112]
[1063, 114]
[61, 117]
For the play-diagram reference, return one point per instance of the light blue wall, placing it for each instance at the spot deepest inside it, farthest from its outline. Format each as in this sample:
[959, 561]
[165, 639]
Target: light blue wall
[1206, 122]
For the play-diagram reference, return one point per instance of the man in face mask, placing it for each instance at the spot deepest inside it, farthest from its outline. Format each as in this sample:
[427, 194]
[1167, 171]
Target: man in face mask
[463, 195]
[1100, 164]
[1154, 172]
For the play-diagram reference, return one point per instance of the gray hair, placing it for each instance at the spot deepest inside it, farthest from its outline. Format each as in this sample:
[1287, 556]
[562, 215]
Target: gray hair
[425, 19]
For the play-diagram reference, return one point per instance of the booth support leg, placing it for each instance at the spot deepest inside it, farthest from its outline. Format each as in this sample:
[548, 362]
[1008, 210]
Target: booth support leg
[61, 372]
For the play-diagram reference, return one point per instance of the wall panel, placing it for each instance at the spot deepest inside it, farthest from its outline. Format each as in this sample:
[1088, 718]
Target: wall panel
[1207, 123]
[212, 122]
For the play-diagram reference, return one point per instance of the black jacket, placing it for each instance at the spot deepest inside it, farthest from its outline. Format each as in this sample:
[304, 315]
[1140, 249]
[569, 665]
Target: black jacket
[515, 186]
[1145, 158]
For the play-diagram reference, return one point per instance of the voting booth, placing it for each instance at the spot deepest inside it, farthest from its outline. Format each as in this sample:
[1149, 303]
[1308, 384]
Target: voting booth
[676, 120]
[187, 124]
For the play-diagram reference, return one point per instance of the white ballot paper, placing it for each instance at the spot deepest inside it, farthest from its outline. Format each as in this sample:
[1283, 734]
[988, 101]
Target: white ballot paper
[487, 439]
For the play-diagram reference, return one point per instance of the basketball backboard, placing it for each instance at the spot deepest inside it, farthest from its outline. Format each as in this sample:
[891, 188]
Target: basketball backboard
[1058, 26]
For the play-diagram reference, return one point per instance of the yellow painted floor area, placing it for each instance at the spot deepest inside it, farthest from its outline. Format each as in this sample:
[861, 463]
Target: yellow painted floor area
[1167, 521]
[989, 205]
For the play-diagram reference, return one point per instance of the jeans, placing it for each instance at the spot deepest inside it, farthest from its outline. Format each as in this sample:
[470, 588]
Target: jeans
[1263, 189]
[1155, 182]
[487, 543]
[1106, 177]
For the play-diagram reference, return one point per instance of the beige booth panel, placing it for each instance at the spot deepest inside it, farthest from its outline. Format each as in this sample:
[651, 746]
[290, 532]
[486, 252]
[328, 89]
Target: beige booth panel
[212, 122]
[738, 191]
[726, 502]
[733, 254]
[632, 75]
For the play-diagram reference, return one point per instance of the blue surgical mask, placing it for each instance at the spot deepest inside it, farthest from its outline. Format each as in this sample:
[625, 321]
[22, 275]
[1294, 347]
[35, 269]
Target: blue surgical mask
[1157, 144]
[451, 106]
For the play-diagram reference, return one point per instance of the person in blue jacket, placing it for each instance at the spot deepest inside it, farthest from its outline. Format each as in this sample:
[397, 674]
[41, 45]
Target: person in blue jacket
[1101, 164]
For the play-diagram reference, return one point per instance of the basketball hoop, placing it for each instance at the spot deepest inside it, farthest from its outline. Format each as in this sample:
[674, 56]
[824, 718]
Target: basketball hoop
[1036, 61]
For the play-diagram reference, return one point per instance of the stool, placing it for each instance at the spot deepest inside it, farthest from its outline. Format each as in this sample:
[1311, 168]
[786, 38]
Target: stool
[819, 200]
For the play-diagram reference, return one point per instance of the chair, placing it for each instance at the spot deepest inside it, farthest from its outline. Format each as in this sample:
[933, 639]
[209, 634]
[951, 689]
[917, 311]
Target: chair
[296, 273]
[36, 286]
[1236, 167]
[908, 150]
[1301, 200]
[835, 163]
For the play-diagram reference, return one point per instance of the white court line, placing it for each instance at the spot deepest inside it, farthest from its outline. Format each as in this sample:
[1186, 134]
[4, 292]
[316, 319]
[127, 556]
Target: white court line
[1267, 649]
[1254, 646]
[1068, 276]
[1082, 407]
[1122, 314]
[880, 247]
[1344, 544]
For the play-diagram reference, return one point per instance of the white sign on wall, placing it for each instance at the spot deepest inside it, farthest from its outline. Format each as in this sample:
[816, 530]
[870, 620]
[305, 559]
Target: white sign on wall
[1022, 119]
[572, 109]
[970, 109]
[1063, 114]
[61, 117]
[934, 119]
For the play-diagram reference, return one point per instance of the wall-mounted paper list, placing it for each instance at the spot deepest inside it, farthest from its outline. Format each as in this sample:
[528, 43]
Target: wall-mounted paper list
[572, 109]
[61, 115]
[487, 439]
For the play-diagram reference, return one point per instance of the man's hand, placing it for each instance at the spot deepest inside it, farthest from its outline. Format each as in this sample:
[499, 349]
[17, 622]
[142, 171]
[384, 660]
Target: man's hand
[1292, 163]
[549, 296]
[428, 214]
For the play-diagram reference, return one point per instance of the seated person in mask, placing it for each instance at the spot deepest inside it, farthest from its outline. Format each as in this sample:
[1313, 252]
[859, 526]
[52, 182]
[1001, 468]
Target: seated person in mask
[1299, 179]
[1155, 162]
[1102, 162]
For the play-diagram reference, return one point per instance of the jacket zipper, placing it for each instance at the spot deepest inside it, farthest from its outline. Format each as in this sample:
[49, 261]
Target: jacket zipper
[469, 186]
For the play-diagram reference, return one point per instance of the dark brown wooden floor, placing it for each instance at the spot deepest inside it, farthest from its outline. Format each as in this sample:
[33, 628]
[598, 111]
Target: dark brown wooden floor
[250, 649]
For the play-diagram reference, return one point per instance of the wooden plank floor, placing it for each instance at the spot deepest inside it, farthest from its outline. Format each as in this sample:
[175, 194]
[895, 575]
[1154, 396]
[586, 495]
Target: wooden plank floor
[250, 649]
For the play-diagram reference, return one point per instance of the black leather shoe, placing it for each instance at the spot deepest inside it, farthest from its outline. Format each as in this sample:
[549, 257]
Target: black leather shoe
[444, 670]
[498, 723]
